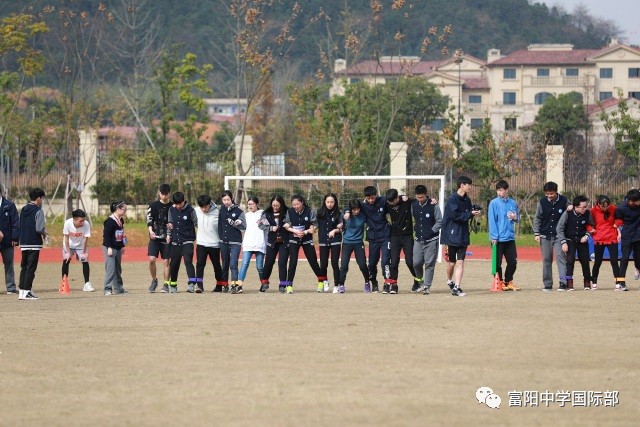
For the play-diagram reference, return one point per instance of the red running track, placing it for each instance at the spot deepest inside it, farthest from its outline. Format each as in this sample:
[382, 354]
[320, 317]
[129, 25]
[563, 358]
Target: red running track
[140, 254]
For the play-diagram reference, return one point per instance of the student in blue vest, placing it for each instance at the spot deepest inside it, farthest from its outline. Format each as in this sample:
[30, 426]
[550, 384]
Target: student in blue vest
[502, 215]
[574, 236]
[181, 234]
[329, 239]
[32, 233]
[231, 223]
[353, 242]
[548, 212]
[301, 222]
[427, 221]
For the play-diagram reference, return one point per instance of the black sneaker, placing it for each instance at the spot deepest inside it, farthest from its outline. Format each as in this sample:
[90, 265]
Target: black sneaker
[13, 291]
[153, 285]
[282, 289]
[199, 289]
[457, 291]
[562, 287]
[415, 287]
[425, 290]
[451, 284]
[234, 289]
[239, 289]
[225, 289]
[374, 288]
[264, 287]
[218, 288]
[385, 289]
[394, 289]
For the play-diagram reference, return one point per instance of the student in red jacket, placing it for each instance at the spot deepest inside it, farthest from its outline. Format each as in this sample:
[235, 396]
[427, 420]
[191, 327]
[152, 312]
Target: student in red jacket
[606, 234]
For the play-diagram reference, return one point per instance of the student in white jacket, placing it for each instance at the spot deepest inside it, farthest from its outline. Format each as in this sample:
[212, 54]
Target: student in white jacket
[253, 242]
[207, 241]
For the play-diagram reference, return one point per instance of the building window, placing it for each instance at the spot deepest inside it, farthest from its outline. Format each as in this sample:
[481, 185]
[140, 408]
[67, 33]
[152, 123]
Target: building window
[541, 97]
[634, 73]
[542, 72]
[510, 123]
[509, 73]
[635, 95]
[476, 123]
[606, 73]
[571, 72]
[437, 125]
[605, 95]
[475, 99]
[509, 98]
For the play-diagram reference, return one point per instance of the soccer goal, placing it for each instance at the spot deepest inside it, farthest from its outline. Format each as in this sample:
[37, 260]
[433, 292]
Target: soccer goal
[314, 188]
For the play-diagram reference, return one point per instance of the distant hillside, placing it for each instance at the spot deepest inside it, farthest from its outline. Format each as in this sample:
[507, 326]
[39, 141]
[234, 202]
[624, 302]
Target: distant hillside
[202, 26]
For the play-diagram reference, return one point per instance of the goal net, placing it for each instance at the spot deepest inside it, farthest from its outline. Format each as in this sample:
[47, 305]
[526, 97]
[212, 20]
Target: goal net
[314, 188]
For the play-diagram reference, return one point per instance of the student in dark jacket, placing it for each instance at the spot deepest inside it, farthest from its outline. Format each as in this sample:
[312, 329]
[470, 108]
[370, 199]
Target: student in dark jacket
[157, 215]
[548, 212]
[32, 233]
[573, 233]
[9, 237]
[272, 221]
[401, 238]
[329, 239]
[231, 223]
[455, 233]
[181, 234]
[629, 213]
[301, 222]
[113, 243]
[427, 220]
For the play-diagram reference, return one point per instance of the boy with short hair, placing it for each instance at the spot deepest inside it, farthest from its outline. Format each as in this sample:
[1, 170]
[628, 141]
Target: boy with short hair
[208, 241]
[427, 220]
[574, 236]
[9, 236]
[32, 233]
[548, 212]
[455, 233]
[503, 214]
[76, 232]
[157, 219]
[181, 233]
[401, 238]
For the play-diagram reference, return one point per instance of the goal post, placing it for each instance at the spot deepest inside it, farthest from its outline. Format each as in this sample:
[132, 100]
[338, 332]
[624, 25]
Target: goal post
[313, 188]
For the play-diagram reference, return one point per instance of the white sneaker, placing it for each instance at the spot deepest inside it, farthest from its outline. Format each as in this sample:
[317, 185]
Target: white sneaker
[28, 295]
[335, 290]
[326, 286]
[88, 287]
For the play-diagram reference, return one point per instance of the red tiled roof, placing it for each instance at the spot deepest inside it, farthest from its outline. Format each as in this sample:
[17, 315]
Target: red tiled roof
[476, 83]
[546, 57]
[391, 67]
[607, 103]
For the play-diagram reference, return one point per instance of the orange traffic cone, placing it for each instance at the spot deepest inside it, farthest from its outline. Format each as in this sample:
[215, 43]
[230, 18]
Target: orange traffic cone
[65, 286]
[497, 284]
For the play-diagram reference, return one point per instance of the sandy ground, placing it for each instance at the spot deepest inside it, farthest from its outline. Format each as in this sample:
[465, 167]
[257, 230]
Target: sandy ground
[315, 359]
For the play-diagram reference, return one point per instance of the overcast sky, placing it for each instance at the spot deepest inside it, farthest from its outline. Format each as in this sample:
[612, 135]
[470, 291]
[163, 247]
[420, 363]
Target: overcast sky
[624, 13]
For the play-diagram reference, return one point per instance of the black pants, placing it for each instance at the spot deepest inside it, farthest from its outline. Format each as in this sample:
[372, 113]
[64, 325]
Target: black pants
[402, 243]
[28, 267]
[334, 252]
[177, 253]
[375, 249]
[583, 257]
[85, 269]
[627, 248]
[309, 251]
[613, 259]
[202, 253]
[508, 251]
[361, 259]
[281, 249]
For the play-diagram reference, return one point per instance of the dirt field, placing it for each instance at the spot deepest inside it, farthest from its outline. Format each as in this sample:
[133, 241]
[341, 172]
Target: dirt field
[312, 359]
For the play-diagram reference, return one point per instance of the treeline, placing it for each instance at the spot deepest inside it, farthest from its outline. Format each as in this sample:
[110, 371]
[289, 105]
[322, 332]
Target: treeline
[320, 28]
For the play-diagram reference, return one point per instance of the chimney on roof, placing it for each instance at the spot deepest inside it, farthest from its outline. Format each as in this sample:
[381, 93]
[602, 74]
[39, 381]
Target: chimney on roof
[493, 55]
[339, 65]
[613, 42]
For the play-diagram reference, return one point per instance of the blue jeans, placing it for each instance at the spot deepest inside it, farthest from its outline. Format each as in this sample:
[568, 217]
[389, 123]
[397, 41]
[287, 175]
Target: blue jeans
[229, 254]
[246, 259]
